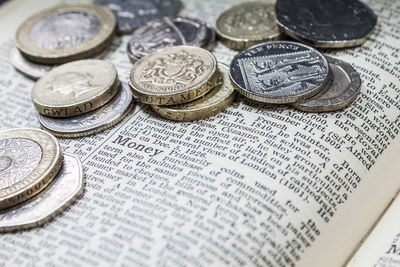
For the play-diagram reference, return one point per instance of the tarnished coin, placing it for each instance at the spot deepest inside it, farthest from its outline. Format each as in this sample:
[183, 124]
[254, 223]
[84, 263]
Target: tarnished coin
[29, 161]
[65, 33]
[36, 70]
[64, 190]
[326, 23]
[345, 86]
[131, 14]
[75, 88]
[212, 103]
[93, 122]
[248, 24]
[174, 75]
[279, 72]
[164, 32]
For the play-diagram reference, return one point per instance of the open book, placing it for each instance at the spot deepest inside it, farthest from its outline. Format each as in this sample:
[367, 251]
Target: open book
[256, 185]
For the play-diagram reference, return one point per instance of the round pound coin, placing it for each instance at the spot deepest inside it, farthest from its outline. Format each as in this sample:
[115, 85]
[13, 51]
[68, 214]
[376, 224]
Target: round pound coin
[63, 191]
[93, 122]
[279, 72]
[165, 32]
[75, 88]
[65, 33]
[135, 13]
[326, 23]
[174, 75]
[29, 161]
[248, 24]
[212, 103]
[345, 86]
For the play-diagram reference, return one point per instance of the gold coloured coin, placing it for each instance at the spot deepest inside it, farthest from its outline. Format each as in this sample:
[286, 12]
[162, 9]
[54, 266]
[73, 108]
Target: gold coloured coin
[75, 88]
[212, 103]
[66, 32]
[29, 161]
[248, 24]
[174, 75]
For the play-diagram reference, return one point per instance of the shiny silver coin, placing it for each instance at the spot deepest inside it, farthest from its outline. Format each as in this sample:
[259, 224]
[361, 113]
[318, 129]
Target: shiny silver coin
[279, 72]
[136, 13]
[341, 92]
[64, 190]
[160, 33]
[326, 23]
[35, 70]
[95, 121]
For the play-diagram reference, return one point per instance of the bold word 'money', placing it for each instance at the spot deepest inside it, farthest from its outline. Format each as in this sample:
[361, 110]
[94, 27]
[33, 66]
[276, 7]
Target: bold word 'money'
[131, 144]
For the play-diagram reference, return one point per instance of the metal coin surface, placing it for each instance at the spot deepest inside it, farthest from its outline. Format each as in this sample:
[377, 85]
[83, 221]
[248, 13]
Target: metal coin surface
[326, 23]
[75, 88]
[93, 122]
[212, 103]
[210, 38]
[174, 75]
[132, 14]
[248, 24]
[165, 32]
[345, 87]
[36, 70]
[279, 72]
[63, 191]
[65, 33]
[29, 161]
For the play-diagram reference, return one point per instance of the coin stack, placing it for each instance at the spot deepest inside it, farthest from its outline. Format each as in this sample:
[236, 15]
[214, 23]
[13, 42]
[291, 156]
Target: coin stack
[81, 98]
[62, 34]
[182, 83]
[37, 180]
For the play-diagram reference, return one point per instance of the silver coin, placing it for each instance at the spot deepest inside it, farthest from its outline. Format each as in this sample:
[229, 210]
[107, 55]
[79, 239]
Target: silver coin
[50, 202]
[210, 38]
[95, 121]
[341, 92]
[136, 13]
[160, 33]
[279, 72]
[35, 70]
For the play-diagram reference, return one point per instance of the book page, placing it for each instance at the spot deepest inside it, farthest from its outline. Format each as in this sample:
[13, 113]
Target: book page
[256, 185]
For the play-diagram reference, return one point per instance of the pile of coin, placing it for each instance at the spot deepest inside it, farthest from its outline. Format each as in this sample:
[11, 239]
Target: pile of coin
[62, 34]
[81, 98]
[182, 83]
[36, 180]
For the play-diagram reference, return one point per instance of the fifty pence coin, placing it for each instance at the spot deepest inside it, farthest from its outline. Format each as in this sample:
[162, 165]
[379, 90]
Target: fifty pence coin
[279, 72]
[64, 190]
[29, 161]
[174, 75]
[326, 23]
[212, 103]
[247, 24]
[135, 13]
[35, 70]
[343, 90]
[65, 33]
[93, 122]
[75, 88]
[165, 32]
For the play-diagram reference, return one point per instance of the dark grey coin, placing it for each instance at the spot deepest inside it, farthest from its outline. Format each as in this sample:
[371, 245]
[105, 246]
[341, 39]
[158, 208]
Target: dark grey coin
[132, 14]
[92, 122]
[343, 89]
[160, 33]
[326, 23]
[210, 38]
[279, 72]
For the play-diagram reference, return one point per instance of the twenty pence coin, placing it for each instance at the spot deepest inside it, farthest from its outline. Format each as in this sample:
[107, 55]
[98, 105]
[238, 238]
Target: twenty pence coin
[29, 161]
[212, 103]
[75, 88]
[66, 32]
[61, 193]
[174, 75]
[345, 87]
[248, 24]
